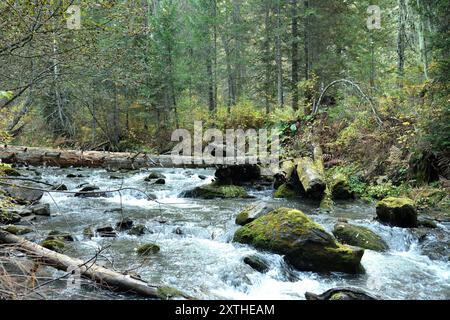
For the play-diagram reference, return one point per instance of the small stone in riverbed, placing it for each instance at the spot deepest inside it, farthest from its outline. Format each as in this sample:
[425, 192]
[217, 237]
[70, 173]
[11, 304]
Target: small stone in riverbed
[137, 230]
[160, 181]
[202, 177]
[154, 175]
[147, 249]
[54, 245]
[60, 187]
[257, 263]
[17, 230]
[58, 235]
[71, 175]
[87, 233]
[87, 192]
[41, 209]
[125, 224]
[178, 231]
[106, 232]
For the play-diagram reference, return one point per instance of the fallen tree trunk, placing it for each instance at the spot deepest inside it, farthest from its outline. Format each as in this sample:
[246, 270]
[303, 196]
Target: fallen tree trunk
[103, 276]
[93, 159]
[311, 178]
[284, 173]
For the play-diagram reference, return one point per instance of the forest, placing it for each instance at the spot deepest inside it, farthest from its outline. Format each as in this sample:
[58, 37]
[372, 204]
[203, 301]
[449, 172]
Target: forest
[93, 206]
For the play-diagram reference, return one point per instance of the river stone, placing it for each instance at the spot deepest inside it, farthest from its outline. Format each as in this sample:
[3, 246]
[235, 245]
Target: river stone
[341, 294]
[58, 235]
[153, 175]
[124, 224]
[215, 190]
[41, 209]
[25, 196]
[137, 230]
[252, 212]
[257, 263]
[54, 245]
[160, 181]
[399, 212]
[238, 174]
[17, 230]
[90, 188]
[202, 177]
[147, 249]
[60, 187]
[286, 191]
[9, 217]
[106, 232]
[88, 233]
[359, 236]
[304, 243]
[10, 172]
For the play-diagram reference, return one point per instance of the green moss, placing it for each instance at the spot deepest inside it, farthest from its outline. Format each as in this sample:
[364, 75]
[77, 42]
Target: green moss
[214, 190]
[54, 245]
[359, 236]
[242, 217]
[393, 202]
[337, 296]
[399, 212]
[17, 230]
[165, 293]
[147, 249]
[284, 191]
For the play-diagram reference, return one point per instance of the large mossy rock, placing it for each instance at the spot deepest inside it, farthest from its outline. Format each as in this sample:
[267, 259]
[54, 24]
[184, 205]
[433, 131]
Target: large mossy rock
[253, 212]
[340, 188]
[305, 244]
[286, 191]
[359, 236]
[238, 174]
[215, 190]
[399, 212]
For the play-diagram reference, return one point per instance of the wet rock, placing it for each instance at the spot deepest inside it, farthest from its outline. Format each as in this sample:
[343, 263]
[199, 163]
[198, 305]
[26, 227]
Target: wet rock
[60, 187]
[257, 263]
[154, 175]
[114, 177]
[72, 175]
[399, 212]
[433, 243]
[58, 235]
[106, 232]
[304, 243]
[147, 249]
[166, 293]
[124, 224]
[25, 196]
[359, 236]
[426, 223]
[252, 212]
[286, 191]
[341, 294]
[9, 217]
[54, 245]
[238, 174]
[41, 209]
[87, 192]
[202, 177]
[10, 172]
[178, 231]
[160, 181]
[214, 190]
[17, 230]
[88, 233]
[137, 230]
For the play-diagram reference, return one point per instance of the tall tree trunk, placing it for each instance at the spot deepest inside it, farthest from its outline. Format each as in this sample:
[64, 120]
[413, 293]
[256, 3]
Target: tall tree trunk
[294, 52]
[401, 37]
[230, 75]
[267, 55]
[279, 62]
[422, 39]
[306, 39]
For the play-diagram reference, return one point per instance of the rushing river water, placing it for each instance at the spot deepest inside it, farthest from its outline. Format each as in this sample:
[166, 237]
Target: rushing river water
[202, 261]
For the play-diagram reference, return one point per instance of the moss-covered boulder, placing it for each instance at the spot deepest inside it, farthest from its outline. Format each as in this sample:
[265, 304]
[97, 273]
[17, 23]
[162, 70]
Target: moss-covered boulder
[58, 235]
[9, 172]
[215, 190]
[147, 249]
[359, 236]
[17, 230]
[340, 188]
[399, 212]
[286, 191]
[54, 245]
[304, 243]
[252, 212]
[137, 230]
[9, 216]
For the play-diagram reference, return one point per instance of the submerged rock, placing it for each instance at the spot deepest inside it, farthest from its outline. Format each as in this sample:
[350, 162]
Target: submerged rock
[106, 232]
[257, 263]
[147, 249]
[305, 244]
[137, 230]
[359, 236]
[215, 190]
[124, 224]
[154, 175]
[252, 212]
[399, 212]
[341, 294]
[160, 181]
[87, 192]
